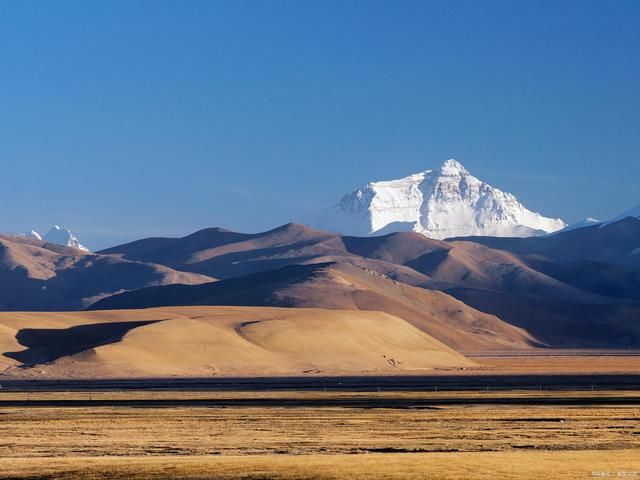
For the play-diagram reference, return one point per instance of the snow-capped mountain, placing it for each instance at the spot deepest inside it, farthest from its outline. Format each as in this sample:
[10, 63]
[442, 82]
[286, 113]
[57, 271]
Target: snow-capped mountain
[62, 236]
[443, 203]
[57, 235]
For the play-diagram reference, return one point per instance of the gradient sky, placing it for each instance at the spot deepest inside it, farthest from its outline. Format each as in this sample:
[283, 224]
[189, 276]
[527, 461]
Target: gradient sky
[137, 118]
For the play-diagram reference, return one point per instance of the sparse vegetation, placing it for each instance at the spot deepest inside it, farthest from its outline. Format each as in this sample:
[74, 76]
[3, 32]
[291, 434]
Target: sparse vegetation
[489, 441]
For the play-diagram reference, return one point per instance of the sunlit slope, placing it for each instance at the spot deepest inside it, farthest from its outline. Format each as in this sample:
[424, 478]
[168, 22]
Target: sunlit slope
[225, 341]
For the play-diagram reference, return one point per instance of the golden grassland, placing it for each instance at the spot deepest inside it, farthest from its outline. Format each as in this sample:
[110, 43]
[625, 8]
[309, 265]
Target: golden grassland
[469, 465]
[451, 441]
[557, 362]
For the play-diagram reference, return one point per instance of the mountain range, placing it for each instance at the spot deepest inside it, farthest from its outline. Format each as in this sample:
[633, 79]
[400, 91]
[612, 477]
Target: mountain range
[581, 287]
[41, 275]
[545, 285]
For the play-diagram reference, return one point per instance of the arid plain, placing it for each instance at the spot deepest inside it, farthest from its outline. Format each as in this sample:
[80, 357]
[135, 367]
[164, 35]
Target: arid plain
[301, 393]
[383, 435]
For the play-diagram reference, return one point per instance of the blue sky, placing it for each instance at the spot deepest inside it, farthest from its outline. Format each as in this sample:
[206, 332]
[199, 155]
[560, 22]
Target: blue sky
[123, 119]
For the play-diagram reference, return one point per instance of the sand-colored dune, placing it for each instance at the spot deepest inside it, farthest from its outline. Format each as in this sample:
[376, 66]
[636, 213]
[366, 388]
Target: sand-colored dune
[224, 341]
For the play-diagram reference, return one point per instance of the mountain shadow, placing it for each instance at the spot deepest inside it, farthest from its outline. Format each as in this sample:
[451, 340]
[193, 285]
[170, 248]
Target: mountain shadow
[49, 344]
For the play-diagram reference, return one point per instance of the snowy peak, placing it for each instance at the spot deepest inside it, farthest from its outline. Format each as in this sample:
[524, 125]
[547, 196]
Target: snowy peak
[62, 236]
[57, 235]
[452, 167]
[442, 203]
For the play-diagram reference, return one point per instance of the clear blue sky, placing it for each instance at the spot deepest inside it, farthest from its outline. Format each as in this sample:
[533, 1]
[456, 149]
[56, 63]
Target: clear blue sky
[137, 118]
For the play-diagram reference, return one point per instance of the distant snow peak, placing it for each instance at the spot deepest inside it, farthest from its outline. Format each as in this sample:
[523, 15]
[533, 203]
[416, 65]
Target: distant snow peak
[57, 235]
[443, 203]
[31, 234]
[62, 236]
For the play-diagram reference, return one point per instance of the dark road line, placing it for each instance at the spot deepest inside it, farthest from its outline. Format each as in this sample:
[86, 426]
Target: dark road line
[355, 384]
[360, 402]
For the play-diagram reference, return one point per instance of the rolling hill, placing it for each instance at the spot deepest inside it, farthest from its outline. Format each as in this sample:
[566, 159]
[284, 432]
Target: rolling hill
[225, 341]
[528, 283]
[574, 288]
[38, 275]
[346, 287]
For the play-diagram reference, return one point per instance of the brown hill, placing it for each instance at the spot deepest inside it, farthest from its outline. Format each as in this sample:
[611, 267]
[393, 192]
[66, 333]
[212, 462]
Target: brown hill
[36, 275]
[347, 287]
[608, 243]
[602, 259]
[561, 292]
[223, 254]
[559, 323]
[534, 285]
[225, 341]
[407, 257]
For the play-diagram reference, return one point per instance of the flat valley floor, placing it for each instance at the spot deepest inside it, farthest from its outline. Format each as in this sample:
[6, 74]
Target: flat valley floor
[316, 434]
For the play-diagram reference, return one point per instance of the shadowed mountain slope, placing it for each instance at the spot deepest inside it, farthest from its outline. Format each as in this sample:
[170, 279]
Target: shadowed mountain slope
[407, 257]
[223, 254]
[37, 275]
[45, 345]
[560, 323]
[616, 242]
[603, 259]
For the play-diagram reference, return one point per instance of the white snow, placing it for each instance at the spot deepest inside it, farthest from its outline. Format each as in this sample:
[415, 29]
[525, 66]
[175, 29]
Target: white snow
[31, 234]
[443, 203]
[62, 236]
[57, 235]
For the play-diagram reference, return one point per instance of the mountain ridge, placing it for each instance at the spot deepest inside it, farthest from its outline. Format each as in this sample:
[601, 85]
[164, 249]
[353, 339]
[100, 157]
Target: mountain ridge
[40, 275]
[529, 278]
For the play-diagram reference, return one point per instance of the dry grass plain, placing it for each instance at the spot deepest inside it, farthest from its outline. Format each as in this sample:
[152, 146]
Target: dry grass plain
[554, 362]
[482, 466]
[450, 441]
